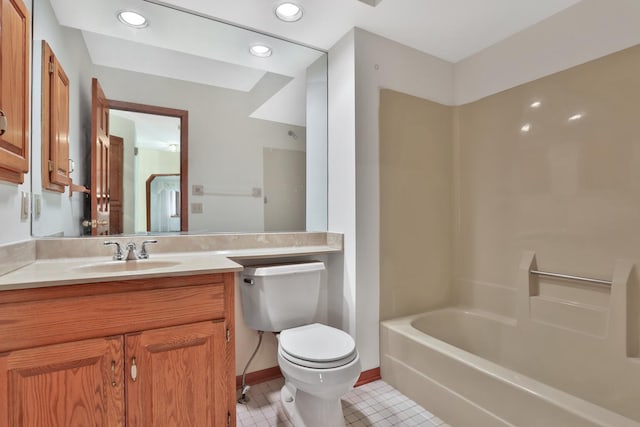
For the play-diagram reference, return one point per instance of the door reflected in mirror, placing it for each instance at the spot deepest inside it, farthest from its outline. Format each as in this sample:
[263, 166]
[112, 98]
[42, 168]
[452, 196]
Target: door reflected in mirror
[150, 147]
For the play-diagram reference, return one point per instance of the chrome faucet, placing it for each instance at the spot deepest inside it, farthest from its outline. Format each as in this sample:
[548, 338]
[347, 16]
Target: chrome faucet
[143, 251]
[117, 255]
[131, 255]
[131, 252]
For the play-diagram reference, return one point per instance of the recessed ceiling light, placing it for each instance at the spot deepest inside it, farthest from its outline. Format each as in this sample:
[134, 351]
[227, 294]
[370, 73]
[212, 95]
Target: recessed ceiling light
[132, 19]
[260, 50]
[288, 12]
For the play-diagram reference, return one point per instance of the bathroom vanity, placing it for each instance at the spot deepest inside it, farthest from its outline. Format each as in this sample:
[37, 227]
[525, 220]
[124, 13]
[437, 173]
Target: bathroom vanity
[86, 340]
[147, 351]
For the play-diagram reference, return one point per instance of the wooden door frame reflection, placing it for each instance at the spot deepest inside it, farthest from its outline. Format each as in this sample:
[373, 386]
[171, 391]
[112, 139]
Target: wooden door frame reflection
[183, 116]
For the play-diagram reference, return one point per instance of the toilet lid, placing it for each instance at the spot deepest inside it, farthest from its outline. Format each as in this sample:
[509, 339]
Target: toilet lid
[318, 344]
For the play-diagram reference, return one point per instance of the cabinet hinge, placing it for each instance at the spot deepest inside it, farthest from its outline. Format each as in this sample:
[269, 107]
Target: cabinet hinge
[50, 67]
[228, 335]
[50, 165]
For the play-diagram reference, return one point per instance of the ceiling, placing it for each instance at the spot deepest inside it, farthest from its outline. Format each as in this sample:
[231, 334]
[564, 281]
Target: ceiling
[449, 29]
[153, 131]
[187, 47]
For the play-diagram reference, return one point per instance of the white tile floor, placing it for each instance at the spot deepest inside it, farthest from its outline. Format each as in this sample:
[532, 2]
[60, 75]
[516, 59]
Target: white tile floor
[376, 404]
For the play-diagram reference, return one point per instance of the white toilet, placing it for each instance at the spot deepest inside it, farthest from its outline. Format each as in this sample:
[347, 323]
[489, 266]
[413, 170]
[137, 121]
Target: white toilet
[319, 363]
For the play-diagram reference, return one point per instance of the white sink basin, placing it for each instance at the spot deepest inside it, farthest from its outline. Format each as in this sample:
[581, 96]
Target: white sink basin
[123, 266]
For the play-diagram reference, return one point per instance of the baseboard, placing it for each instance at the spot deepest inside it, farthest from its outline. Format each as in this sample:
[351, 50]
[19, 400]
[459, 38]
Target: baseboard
[369, 376]
[269, 374]
[258, 377]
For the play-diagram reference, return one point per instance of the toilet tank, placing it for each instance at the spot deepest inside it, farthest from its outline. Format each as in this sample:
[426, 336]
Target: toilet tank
[280, 296]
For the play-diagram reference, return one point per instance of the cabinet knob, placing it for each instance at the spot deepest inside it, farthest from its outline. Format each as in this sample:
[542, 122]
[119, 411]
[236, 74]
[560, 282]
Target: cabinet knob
[3, 123]
[134, 370]
[113, 374]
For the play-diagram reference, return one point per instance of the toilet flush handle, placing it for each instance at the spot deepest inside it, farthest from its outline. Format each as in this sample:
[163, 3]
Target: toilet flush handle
[249, 282]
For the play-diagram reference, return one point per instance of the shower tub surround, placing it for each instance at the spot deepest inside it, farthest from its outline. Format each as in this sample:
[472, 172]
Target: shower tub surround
[541, 368]
[540, 177]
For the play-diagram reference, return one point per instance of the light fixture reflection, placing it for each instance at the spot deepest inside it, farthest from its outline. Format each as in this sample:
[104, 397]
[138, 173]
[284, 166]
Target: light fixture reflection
[575, 117]
[260, 50]
[535, 104]
[525, 128]
[132, 19]
[288, 12]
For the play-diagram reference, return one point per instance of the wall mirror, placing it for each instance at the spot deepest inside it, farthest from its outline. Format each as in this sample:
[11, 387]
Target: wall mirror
[253, 153]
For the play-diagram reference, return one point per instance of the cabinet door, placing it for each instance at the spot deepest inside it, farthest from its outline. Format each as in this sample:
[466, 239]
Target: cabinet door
[100, 162]
[14, 90]
[116, 185]
[176, 376]
[55, 122]
[72, 384]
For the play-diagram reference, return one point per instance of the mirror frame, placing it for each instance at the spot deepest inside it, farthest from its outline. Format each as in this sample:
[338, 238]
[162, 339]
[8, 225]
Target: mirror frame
[183, 116]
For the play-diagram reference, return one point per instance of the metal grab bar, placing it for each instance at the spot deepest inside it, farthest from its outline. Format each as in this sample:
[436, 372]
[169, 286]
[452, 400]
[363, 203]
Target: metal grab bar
[568, 277]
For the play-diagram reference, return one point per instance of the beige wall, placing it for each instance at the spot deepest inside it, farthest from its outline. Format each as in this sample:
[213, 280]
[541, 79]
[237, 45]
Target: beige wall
[415, 204]
[567, 190]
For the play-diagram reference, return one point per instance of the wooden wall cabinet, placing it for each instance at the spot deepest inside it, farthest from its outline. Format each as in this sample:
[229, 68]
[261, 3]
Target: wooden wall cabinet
[15, 36]
[142, 353]
[55, 122]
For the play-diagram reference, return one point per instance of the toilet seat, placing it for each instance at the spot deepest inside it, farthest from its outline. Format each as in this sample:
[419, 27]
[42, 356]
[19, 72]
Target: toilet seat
[317, 346]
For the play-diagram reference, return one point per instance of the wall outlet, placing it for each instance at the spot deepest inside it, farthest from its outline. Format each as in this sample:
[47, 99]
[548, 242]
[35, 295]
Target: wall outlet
[197, 190]
[196, 208]
[37, 206]
[24, 206]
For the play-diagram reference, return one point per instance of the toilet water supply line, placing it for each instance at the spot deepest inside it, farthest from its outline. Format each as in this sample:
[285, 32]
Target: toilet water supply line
[245, 387]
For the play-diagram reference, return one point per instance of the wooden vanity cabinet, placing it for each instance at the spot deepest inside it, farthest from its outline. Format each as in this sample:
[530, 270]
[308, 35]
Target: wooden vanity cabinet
[70, 384]
[15, 36]
[148, 352]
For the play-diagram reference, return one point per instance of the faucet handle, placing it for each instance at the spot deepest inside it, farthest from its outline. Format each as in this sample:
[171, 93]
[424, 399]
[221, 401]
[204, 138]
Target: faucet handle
[143, 251]
[117, 255]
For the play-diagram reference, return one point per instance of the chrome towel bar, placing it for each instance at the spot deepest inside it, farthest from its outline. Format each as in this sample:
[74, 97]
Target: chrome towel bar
[568, 277]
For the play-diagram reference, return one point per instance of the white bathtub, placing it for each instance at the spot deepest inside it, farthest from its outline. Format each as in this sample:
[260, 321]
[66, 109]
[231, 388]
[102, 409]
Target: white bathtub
[476, 369]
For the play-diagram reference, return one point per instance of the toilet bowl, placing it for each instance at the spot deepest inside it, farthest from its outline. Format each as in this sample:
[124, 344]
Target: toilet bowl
[320, 364]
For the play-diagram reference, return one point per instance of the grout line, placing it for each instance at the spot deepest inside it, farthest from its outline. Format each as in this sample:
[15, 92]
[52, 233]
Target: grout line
[375, 404]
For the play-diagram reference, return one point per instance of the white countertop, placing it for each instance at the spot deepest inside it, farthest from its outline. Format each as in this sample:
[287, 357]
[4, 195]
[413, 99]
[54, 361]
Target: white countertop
[71, 271]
